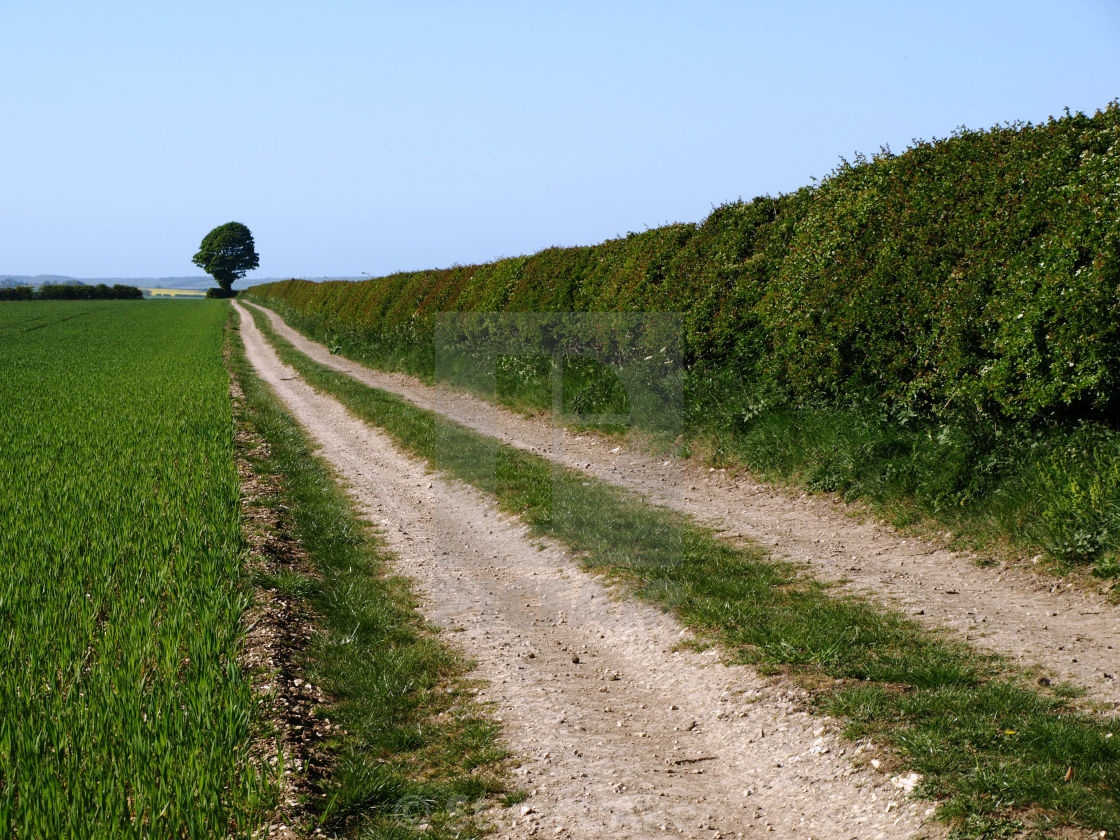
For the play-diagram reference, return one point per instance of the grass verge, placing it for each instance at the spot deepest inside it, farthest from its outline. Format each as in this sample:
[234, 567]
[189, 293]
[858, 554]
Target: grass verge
[413, 753]
[1049, 491]
[998, 755]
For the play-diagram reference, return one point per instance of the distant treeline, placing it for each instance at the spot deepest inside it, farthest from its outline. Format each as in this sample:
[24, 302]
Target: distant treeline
[71, 292]
[954, 302]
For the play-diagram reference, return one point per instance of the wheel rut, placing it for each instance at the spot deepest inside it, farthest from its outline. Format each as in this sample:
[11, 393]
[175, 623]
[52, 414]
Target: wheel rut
[617, 731]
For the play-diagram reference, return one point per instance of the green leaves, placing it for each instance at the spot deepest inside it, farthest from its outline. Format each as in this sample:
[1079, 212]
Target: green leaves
[971, 276]
[227, 253]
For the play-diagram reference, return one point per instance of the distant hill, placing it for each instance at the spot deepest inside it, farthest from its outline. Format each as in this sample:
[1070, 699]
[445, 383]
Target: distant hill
[196, 282]
[9, 280]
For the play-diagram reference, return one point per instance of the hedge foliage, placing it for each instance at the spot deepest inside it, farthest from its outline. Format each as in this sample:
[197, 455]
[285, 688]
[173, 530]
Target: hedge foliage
[974, 278]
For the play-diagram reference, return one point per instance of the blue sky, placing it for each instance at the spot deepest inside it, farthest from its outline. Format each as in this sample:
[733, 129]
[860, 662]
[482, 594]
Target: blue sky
[378, 136]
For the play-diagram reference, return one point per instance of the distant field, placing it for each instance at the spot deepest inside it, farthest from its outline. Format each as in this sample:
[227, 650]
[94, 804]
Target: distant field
[122, 708]
[175, 293]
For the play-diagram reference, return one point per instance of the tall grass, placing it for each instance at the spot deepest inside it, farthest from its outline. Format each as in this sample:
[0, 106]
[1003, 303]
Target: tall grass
[1054, 491]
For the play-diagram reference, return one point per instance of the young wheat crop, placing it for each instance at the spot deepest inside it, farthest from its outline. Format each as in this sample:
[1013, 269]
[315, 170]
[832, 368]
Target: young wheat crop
[122, 709]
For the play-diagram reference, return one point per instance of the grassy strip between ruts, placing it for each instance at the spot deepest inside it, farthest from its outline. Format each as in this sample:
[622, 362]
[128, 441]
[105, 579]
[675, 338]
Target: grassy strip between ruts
[999, 755]
[415, 755]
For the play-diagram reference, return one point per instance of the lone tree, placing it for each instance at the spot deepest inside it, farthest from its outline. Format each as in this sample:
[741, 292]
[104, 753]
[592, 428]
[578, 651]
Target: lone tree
[226, 254]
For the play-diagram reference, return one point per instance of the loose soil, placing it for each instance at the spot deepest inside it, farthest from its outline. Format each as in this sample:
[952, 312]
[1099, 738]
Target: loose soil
[277, 633]
[1068, 633]
[618, 730]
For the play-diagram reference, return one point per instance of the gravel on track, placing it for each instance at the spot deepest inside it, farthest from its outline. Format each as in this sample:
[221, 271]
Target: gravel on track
[617, 731]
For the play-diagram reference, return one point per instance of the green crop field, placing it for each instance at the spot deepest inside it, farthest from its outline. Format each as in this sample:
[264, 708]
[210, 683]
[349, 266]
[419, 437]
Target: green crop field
[122, 708]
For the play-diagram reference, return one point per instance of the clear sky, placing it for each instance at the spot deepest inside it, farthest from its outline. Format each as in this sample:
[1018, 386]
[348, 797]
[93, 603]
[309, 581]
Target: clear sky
[378, 136]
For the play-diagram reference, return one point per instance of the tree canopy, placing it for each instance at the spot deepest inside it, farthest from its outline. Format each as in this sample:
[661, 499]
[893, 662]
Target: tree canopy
[227, 253]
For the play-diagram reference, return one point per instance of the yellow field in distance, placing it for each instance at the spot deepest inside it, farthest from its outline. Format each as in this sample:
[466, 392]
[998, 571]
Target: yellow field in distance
[173, 293]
